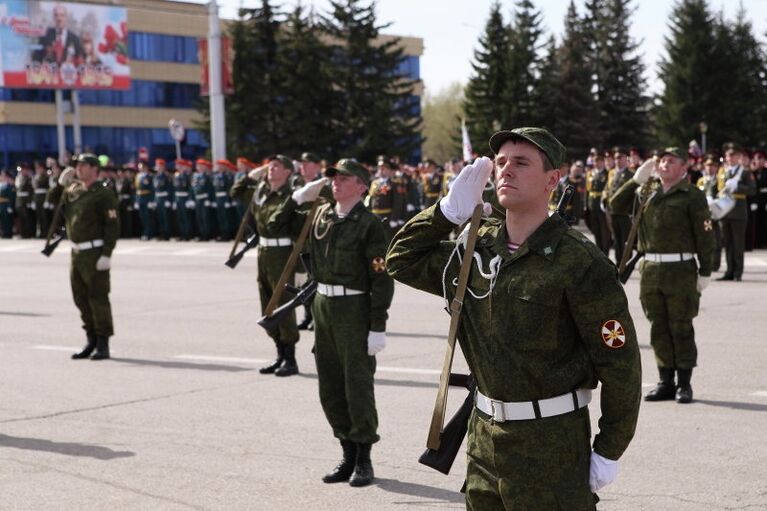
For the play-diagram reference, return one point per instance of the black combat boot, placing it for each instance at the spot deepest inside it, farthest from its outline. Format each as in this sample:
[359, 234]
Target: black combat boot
[683, 388]
[102, 348]
[307, 321]
[277, 363]
[363, 470]
[665, 389]
[86, 352]
[290, 367]
[343, 470]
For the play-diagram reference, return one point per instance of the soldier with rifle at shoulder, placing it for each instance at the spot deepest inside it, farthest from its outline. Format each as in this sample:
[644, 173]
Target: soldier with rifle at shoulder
[544, 320]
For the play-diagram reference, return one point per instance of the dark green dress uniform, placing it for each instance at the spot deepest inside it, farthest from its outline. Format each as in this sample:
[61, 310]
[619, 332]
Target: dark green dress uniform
[93, 226]
[347, 257]
[734, 222]
[7, 198]
[675, 226]
[163, 194]
[144, 202]
[41, 182]
[24, 205]
[126, 198]
[387, 203]
[707, 185]
[203, 195]
[432, 187]
[541, 322]
[760, 203]
[222, 204]
[183, 205]
[596, 181]
[619, 215]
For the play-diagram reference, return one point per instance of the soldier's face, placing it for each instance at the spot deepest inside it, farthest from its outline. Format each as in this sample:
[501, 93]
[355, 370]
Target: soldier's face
[521, 182]
[309, 169]
[347, 188]
[599, 163]
[384, 171]
[278, 174]
[622, 161]
[710, 169]
[86, 172]
[757, 162]
[671, 169]
[609, 162]
[732, 158]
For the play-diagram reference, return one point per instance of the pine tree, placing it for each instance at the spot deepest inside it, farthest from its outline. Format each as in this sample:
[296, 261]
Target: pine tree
[376, 110]
[485, 91]
[693, 75]
[549, 87]
[623, 104]
[521, 93]
[308, 94]
[595, 36]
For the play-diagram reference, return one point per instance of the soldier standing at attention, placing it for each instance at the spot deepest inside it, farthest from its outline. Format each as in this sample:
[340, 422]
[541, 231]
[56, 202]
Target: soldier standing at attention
[7, 198]
[596, 181]
[183, 204]
[93, 226]
[202, 187]
[619, 215]
[244, 166]
[432, 182]
[221, 186]
[544, 320]
[386, 200]
[163, 194]
[707, 185]
[25, 201]
[759, 204]
[54, 170]
[144, 199]
[675, 227]
[40, 184]
[348, 245]
[738, 182]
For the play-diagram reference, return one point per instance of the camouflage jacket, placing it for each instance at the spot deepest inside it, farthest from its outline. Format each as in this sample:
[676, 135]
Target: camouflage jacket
[675, 222]
[555, 319]
[91, 214]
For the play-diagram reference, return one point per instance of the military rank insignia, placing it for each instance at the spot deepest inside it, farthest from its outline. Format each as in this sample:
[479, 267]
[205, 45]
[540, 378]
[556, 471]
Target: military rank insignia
[378, 265]
[708, 225]
[613, 334]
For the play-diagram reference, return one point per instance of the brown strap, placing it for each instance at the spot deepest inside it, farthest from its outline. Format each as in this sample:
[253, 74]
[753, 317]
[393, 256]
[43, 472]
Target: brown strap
[628, 249]
[438, 415]
[292, 260]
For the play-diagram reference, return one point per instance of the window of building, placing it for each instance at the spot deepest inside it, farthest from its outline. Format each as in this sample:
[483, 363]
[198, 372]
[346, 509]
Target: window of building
[162, 47]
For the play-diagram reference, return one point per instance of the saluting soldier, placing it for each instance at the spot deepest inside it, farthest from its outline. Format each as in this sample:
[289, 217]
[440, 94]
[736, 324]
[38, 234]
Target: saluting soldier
[543, 321]
[202, 186]
[145, 199]
[93, 226]
[25, 201]
[163, 194]
[7, 199]
[347, 246]
[738, 182]
[619, 215]
[675, 227]
[596, 181]
[183, 204]
[40, 184]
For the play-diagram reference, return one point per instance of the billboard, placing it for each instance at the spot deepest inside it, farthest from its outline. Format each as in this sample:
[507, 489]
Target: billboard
[63, 45]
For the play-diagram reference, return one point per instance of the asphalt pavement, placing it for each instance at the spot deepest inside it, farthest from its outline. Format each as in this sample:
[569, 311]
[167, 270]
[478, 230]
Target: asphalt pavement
[181, 419]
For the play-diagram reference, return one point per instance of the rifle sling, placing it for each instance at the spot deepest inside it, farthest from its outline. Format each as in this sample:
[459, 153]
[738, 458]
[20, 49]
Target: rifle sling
[438, 415]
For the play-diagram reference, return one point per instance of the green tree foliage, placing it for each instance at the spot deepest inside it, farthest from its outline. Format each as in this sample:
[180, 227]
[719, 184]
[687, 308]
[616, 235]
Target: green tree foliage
[376, 111]
[521, 94]
[487, 86]
[442, 113]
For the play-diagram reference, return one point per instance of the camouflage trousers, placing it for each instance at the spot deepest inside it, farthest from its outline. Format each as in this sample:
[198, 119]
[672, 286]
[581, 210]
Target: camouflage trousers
[271, 262]
[539, 464]
[344, 368]
[670, 299]
[90, 289]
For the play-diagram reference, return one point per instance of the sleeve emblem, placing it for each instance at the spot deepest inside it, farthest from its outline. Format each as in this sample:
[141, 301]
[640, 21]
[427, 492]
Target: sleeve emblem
[613, 334]
[378, 265]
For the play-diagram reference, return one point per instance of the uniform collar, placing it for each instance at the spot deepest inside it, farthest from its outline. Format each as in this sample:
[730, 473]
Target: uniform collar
[543, 241]
[354, 214]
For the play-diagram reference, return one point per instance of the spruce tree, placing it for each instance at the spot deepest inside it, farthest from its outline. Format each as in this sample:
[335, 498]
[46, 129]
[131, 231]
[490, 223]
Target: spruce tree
[594, 33]
[694, 80]
[485, 91]
[549, 87]
[521, 93]
[376, 111]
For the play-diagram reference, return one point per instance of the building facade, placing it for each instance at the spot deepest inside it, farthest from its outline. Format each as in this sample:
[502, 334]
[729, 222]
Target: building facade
[165, 84]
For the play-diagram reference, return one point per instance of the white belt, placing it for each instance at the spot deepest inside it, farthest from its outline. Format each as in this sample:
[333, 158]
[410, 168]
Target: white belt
[275, 242]
[526, 410]
[332, 290]
[669, 258]
[40, 191]
[161, 194]
[221, 194]
[86, 245]
[182, 194]
[124, 196]
[22, 194]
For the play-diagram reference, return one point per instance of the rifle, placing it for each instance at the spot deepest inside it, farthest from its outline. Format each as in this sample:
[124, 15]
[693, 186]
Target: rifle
[61, 233]
[444, 442]
[240, 235]
[303, 296]
[234, 259]
[628, 262]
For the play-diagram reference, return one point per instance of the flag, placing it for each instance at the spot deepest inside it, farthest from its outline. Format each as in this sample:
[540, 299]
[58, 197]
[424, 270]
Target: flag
[467, 152]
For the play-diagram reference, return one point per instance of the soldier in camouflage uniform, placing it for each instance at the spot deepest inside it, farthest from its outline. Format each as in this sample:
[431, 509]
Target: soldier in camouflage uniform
[347, 244]
[93, 226]
[543, 322]
[619, 216]
[675, 227]
[40, 184]
[25, 201]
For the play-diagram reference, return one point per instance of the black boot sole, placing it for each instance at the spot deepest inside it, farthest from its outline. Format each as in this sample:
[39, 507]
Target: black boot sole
[286, 371]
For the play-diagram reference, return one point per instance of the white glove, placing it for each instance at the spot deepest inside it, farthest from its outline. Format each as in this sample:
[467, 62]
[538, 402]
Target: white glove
[376, 342]
[67, 177]
[601, 471]
[309, 192]
[190, 204]
[103, 264]
[393, 224]
[410, 208]
[466, 192]
[731, 184]
[702, 283]
[754, 206]
[258, 173]
[643, 173]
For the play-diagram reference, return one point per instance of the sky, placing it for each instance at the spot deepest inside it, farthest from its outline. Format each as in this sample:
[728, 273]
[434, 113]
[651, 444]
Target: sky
[451, 28]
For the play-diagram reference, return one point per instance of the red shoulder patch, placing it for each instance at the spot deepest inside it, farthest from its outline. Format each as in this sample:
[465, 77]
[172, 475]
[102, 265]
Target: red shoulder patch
[613, 334]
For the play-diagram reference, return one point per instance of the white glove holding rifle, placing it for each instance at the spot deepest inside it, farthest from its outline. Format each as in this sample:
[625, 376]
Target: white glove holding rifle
[466, 191]
[310, 191]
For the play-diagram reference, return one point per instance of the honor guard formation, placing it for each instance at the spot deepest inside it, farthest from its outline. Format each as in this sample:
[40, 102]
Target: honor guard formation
[518, 246]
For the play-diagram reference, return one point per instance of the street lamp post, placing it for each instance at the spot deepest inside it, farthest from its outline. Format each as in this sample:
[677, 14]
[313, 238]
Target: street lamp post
[703, 129]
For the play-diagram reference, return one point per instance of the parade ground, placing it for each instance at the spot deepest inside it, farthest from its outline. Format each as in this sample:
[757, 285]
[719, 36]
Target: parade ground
[181, 419]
